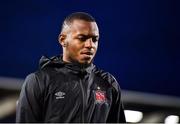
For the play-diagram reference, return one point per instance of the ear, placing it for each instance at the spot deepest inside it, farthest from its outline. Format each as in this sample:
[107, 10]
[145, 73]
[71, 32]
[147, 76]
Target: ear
[62, 40]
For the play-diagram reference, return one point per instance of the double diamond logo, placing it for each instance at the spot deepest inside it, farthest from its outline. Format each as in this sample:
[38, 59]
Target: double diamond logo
[60, 95]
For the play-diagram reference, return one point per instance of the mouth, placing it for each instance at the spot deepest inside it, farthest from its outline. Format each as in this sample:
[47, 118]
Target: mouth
[87, 56]
[88, 53]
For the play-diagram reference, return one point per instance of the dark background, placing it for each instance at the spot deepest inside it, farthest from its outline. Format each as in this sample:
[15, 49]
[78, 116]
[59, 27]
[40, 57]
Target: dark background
[139, 39]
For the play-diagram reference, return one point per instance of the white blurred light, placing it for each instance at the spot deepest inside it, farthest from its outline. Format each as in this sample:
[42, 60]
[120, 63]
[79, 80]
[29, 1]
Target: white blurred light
[172, 119]
[7, 106]
[133, 116]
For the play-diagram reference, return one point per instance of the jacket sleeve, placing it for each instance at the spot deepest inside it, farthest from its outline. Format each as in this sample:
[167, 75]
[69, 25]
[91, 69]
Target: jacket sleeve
[28, 108]
[116, 114]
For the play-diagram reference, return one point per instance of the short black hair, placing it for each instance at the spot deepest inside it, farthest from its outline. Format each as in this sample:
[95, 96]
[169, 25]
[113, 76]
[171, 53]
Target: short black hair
[81, 16]
[77, 16]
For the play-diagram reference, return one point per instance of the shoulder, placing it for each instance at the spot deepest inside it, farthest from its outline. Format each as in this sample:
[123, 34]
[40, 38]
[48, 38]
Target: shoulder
[30, 79]
[108, 77]
[36, 80]
[45, 75]
[42, 78]
[31, 82]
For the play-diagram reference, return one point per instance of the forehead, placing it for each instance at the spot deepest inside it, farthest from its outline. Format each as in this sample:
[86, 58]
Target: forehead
[84, 27]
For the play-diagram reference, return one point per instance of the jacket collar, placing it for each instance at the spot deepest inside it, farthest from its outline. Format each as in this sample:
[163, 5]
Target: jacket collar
[56, 61]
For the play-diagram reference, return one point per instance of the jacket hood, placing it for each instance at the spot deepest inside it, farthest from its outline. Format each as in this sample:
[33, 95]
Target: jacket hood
[57, 62]
[50, 62]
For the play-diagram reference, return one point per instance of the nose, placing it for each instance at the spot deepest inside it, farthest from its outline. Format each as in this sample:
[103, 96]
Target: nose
[89, 43]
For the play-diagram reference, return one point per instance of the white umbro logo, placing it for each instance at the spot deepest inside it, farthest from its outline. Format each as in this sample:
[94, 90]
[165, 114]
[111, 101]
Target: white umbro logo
[60, 95]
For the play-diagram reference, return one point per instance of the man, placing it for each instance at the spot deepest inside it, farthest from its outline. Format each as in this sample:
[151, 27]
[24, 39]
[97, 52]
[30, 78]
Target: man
[70, 88]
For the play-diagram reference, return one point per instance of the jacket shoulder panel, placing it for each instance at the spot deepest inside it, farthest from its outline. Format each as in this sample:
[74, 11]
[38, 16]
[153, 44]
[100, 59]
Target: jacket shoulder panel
[107, 77]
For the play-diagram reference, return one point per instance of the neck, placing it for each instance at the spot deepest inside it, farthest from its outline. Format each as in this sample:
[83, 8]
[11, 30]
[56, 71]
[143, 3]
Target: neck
[82, 65]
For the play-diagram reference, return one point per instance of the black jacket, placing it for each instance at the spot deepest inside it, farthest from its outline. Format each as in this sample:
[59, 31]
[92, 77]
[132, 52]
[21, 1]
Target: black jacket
[64, 92]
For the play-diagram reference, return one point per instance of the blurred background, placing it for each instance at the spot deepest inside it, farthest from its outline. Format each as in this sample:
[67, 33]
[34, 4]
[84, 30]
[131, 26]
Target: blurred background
[139, 44]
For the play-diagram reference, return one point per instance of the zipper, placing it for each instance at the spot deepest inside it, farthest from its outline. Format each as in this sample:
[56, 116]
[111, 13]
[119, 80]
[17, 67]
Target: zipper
[83, 99]
[82, 75]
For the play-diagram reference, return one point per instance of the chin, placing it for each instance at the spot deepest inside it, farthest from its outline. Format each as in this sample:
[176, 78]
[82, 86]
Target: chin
[85, 61]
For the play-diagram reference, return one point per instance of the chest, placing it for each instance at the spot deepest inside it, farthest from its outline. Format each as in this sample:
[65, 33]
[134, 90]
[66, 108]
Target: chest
[77, 96]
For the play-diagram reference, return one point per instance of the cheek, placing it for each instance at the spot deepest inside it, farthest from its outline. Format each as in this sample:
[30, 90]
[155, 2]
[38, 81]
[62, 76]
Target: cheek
[74, 49]
[96, 46]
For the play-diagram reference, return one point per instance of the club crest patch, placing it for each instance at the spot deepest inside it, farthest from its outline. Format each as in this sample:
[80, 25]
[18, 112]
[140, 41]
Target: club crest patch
[100, 96]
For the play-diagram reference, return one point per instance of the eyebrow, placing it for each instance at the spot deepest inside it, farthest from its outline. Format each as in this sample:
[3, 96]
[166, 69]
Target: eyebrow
[88, 35]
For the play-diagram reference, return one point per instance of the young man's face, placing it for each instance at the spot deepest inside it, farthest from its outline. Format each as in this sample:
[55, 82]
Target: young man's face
[81, 42]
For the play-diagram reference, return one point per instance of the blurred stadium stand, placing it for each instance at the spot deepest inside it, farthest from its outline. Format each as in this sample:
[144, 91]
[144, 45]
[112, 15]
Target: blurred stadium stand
[139, 107]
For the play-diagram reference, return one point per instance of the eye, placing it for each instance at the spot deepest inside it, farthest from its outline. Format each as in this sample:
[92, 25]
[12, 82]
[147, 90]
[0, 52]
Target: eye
[82, 38]
[95, 39]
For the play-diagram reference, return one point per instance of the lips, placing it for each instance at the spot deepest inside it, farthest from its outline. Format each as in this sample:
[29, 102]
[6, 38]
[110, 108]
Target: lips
[87, 53]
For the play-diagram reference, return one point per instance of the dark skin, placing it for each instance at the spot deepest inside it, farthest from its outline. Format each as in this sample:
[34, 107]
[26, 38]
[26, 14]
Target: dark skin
[79, 41]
